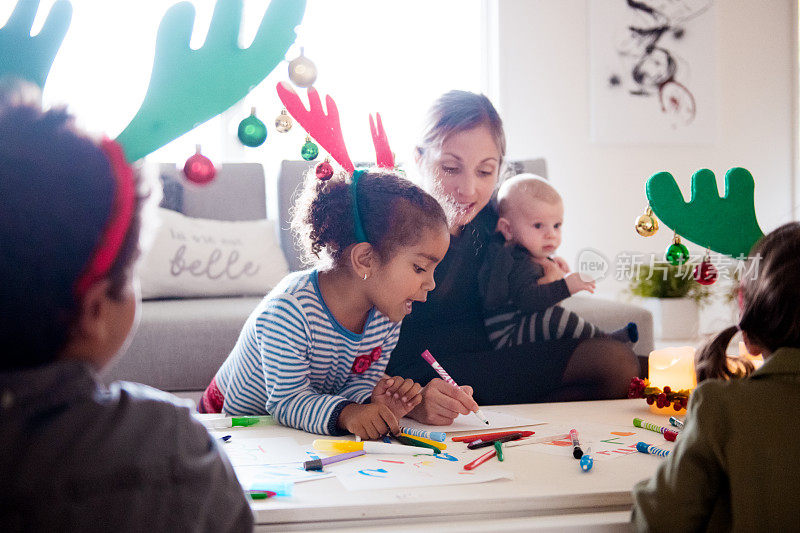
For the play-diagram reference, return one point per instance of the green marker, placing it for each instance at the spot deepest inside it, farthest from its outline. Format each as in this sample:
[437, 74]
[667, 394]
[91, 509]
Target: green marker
[240, 421]
[414, 442]
[498, 446]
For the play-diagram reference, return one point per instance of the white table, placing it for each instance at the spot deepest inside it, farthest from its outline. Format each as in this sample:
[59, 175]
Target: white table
[548, 493]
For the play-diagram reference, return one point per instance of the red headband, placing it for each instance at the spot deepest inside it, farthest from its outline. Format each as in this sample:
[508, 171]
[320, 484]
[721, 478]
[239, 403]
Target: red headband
[118, 223]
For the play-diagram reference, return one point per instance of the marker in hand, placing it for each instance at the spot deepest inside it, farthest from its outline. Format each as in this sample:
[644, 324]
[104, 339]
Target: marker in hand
[445, 376]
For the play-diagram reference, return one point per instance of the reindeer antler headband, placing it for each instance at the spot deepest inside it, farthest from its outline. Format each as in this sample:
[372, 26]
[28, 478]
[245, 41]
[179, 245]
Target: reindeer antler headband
[187, 87]
[327, 131]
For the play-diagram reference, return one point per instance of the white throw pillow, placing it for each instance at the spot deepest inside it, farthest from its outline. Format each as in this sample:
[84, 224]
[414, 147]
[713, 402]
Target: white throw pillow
[194, 257]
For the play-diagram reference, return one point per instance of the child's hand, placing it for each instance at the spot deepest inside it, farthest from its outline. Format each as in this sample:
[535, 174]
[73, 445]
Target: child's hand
[562, 264]
[368, 421]
[398, 394]
[552, 272]
[442, 403]
[575, 283]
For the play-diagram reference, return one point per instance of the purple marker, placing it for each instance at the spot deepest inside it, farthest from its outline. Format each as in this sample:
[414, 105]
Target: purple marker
[317, 464]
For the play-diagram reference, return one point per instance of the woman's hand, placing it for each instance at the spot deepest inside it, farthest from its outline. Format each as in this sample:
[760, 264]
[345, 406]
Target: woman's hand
[442, 403]
[368, 421]
[398, 394]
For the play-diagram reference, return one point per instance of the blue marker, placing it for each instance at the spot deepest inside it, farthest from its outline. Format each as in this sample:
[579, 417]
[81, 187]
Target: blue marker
[586, 460]
[433, 435]
[675, 421]
[652, 450]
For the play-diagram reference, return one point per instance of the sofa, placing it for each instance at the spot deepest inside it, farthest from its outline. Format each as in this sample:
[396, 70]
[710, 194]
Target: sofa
[181, 342]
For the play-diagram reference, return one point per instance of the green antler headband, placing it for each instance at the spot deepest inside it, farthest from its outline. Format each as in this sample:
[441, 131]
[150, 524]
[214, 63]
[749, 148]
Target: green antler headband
[724, 224]
[187, 87]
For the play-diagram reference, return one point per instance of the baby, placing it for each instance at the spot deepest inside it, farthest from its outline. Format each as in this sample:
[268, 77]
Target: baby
[521, 281]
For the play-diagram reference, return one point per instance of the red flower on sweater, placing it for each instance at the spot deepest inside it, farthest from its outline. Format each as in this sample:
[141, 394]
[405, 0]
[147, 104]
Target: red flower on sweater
[364, 361]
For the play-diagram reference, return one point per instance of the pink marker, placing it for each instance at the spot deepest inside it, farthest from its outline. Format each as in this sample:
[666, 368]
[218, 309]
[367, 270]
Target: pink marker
[445, 376]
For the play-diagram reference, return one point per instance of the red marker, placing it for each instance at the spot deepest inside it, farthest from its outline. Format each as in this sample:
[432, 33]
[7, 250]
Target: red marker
[491, 436]
[480, 460]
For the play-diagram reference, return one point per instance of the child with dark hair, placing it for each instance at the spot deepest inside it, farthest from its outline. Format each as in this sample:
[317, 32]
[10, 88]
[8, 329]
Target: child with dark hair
[733, 467]
[78, 455]
[313, 353]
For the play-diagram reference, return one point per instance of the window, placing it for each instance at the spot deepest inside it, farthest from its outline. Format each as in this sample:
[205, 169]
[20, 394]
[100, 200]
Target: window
[391, 57]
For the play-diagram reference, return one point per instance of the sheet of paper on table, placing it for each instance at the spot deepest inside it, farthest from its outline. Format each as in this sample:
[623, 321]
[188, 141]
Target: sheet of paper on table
[471, 422]
[244, 451]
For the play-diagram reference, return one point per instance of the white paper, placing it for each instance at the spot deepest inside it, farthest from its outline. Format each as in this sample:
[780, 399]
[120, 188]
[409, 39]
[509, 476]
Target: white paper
[242, 451]
[420, 471]
[253, 475]
[471, 422]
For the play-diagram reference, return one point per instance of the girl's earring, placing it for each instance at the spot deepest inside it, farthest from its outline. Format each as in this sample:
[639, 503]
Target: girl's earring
[365, 276]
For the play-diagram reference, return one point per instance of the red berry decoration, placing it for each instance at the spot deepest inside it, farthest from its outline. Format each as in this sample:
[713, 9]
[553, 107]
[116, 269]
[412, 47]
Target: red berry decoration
[705, 273]
[324, 171]
[667, 389]
[677, 406]
[199, 169]
[651, 400]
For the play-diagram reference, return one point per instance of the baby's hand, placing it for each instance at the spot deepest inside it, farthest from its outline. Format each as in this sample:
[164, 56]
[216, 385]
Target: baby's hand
[562, 264]
[398, 394]
[368, 421]
[575, 283]
[552, 272]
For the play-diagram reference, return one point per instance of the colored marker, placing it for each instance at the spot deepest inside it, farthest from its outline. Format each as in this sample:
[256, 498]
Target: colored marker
[652, 450]
[668, 433]
[240, 421]
[480, 443]
[344, 446]
[433, 435]
[260, 494]
[480, 460]
[411, 441]
[489, 436]
[429, 442]
[445, 376]
[676, 422]
[317, 464]
[586, 460]
[225, 438]
[538, 440]
[498, 447]
[577, 453]
[280, 488]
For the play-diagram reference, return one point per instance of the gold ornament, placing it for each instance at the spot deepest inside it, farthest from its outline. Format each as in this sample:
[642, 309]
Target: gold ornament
[646, 225]
[283, 122]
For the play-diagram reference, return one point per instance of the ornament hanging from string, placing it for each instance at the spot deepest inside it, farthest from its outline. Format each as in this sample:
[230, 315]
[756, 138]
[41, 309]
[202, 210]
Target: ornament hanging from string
[324, 170]
[252, 132]
[706, 273]
[199, 169]
[677, 253]
[283, 122]
[646, 225]
[302, 71]
[309, 151]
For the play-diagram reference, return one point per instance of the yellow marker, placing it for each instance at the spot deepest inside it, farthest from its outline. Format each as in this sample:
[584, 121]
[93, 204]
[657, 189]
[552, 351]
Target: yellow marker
[344, 446]
[439, 445]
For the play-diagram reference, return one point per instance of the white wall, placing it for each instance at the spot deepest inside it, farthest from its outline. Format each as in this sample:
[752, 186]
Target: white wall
[543, 95]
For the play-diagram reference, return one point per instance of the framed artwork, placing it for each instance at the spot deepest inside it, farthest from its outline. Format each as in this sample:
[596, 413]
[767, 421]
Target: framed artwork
[652, 71]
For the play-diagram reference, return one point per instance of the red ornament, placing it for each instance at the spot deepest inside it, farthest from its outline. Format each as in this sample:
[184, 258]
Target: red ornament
[705, 273]
[199, 169]
[324, 171]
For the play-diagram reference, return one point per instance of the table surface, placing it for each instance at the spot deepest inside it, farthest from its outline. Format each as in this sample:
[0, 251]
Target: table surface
[544, 485]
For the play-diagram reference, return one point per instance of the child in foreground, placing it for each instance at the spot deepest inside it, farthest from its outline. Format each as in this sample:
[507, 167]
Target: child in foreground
[78, 456]
[313, 353]
[522, 282]
[734, 466]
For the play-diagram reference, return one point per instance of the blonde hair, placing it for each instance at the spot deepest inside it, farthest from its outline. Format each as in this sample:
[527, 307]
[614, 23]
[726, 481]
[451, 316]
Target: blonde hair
[530, 184]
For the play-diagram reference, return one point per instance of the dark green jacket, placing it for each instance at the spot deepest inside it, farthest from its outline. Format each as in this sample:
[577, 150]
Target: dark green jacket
[736, 465]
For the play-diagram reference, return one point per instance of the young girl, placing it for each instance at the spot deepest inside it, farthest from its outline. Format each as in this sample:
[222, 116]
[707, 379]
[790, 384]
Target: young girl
[313, 353]
[734, 465]
[125, 457]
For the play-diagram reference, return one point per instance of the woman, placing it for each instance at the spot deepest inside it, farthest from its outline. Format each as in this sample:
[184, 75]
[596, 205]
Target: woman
[460, 159]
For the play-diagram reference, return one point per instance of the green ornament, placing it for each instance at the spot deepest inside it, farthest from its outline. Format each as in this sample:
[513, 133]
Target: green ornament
[677, 253]
[309, 151]
[252, 132]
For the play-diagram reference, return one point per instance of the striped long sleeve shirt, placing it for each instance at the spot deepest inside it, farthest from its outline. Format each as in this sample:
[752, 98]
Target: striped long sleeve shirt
[295, 361]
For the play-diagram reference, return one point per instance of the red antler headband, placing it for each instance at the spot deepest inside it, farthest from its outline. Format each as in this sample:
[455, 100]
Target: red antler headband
[327, 131]
[118, 223]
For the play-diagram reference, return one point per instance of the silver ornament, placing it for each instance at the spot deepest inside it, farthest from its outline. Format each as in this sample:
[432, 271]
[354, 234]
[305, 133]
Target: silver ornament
[302, 71]
[283, 122]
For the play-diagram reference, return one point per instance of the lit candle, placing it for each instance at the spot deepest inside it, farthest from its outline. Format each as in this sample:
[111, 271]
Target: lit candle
[672, 367]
